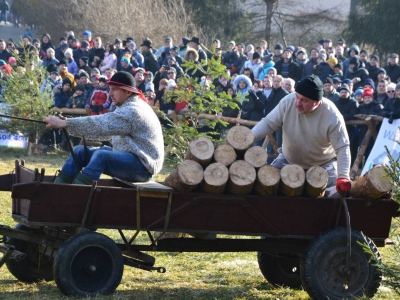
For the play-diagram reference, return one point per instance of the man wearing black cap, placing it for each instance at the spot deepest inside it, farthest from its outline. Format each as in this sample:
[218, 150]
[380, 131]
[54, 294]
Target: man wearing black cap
[183, 45]
[278, 52]
[138, 146]
[313, 133]
[82, 51]
[195, 44]
[150, 60]
[393, 68]
[287, 67]
[356, 72]
[63, 71]
[329, 91]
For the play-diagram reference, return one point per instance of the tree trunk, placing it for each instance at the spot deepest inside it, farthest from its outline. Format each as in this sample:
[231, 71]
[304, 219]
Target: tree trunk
[268, 23]
[242, 176]
[216, 177]
[201, 149]
[267, 181]
[316, 181]
[292, 181]
[186, 176]
[256, 156]
[373, 185]
[240, 138]
[225, 154]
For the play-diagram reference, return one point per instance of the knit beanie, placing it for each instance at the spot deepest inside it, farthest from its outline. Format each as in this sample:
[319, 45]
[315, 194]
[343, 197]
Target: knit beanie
[355, 60]
[373, 56]
[368, 92]
[332, 62]
[369, 82]
[68, 51]
[125, 60]
[84, 44]
[344, 87]
[66, 80]
[256, 55]
[233, 43]
[358, 92]
[12, 60]
[310, 87]
[85, 59]
[88, 33]
[80, 87]
[398, 86]
[95, 70]
[149, 86]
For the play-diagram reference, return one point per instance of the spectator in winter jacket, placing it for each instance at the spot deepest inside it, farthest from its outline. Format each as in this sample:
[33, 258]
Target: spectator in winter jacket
[50, 58]
[150, 60]
[193, 55]
[243, 85]
[373, 67]
[139, 78]
[87, 36]
[353, 51]
[99, 100]
[308, 68]
[248, 63]
[267, 64]
[46, 43]
[329, 91]
[356, 73]
[287, 68]
[242, 58]
[230, 56]
[62, 46]
[96, 54]
[288, 85]
[52, 81]
[183, 45]
[228, 111]
[126, 65]
[83, 64]
[278, 51]
[80, 52]
[136, 55]
[110, 59]
[392, 106]
[322, 69]
[264, 48]
[78, 99]
[267, 86]
[339, 51]
[381, 95]
[301, 58]
[256, 64]
[393, 68]
[168, 42]
[72, 66]
[195, 44]
[4, 53]
[62, 93]
[63, 71]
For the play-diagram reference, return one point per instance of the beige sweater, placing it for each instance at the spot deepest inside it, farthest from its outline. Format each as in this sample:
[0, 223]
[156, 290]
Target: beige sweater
[309, 139]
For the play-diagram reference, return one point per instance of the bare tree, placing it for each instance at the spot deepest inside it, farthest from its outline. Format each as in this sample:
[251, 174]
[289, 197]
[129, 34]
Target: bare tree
[140, 19]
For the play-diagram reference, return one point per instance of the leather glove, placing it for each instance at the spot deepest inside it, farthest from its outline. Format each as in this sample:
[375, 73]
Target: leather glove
[343, 185]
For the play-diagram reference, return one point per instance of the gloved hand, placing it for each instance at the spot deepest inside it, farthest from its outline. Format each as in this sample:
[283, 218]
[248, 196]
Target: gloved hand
[343, 185]
[106, 105]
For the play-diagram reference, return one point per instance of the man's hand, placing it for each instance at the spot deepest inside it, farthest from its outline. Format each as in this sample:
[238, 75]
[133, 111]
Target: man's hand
[55, 122]
[343, 185]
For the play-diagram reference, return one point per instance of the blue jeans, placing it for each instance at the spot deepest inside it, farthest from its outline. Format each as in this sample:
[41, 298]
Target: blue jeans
[123, 165]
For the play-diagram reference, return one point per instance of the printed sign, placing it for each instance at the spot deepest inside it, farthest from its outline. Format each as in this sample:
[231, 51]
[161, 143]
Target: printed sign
[387, 136]
[12, 140]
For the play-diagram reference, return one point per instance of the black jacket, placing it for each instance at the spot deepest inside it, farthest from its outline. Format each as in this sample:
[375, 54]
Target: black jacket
[308, 68]
[392, 106]
[359, 72]
[240, 62]
[253, 106]
[150, 62]
[393, 72]
[96, 52]
[373, 72]
[5, 55]
[274, 98]
[347, 107]
[333, 96]
[294, 69]
[78, 53]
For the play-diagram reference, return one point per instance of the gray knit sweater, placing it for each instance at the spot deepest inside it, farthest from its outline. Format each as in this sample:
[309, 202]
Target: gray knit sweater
[133, 127]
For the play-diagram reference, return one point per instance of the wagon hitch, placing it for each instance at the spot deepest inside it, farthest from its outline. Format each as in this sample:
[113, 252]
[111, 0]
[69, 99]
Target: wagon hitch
[142, 265]
[10, 254]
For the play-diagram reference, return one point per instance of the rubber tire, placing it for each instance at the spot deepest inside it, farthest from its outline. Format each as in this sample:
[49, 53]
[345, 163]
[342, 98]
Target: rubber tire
[277, 269]
[326, 256]
[71, 266]
[26, 270]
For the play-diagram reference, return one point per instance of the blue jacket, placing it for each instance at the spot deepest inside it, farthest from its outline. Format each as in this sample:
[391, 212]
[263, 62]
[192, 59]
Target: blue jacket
[346, 63]
[230, 58]
[246, 89]
[60, 98]
[265, 69]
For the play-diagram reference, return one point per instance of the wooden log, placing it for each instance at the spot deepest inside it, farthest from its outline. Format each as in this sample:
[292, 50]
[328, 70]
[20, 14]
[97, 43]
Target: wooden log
[292, 181]
[216, 177]
[242, 176]
[371, 127]
[267, 182]
[240, 138]
[372, 185]
[225, 154]
[256, 156]
[373, 117]
[201, 149]
[186, 176]
[316, 181]
[360, 154]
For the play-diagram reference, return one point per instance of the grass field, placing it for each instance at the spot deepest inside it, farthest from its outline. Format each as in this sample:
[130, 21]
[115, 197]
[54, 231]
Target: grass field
[188, 276]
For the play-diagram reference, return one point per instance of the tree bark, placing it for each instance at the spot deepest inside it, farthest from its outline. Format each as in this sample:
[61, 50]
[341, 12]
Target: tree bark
[292, 181]
[242, 176]
[216, 177]
[201, 149]
[373, 185]
[267, 181]
[268, 23]
[225, 154]
[256, 156]
[186, 176]
[316, 181]
[240, 138]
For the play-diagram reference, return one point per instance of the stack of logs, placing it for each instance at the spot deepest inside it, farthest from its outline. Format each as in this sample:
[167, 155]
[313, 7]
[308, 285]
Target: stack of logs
[238, 167]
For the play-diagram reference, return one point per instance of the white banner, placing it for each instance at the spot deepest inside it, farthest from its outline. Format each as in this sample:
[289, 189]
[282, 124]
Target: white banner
[387, 136]
[12, 140]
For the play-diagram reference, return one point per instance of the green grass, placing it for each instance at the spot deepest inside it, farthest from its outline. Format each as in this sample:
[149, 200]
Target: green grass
[188, 276]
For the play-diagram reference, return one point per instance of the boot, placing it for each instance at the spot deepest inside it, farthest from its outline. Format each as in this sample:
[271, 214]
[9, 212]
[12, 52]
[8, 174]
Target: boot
[82, 179]
[63, 178]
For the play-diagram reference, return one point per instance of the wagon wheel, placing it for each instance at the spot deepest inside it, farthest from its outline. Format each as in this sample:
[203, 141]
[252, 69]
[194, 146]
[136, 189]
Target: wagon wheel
[323, 268]
[280, 268]
[34, 267]
[88, 265]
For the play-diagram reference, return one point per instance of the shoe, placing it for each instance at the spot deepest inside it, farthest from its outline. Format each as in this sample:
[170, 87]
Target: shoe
[82, 179]
[63, 178]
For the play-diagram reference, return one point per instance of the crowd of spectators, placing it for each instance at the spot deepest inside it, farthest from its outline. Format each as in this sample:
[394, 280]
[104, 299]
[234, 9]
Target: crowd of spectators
[78, 66]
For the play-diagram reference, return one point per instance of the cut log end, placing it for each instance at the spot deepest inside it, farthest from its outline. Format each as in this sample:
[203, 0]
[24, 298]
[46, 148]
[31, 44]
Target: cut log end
[201, 150]
[256, 156]
[372, 185]
[216, 177]
[242, 176]
[292, 180]
[185, 178]
[240, 138]
[267, 183]
[316, 181]
[225, 154]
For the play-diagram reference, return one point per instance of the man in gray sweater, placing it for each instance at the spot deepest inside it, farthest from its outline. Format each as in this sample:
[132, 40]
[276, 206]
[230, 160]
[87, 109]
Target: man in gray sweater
[314, 133]
[138, 147]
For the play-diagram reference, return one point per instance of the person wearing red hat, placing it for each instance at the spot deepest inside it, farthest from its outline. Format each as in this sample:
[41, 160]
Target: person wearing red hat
[138, 146]
[314, 133]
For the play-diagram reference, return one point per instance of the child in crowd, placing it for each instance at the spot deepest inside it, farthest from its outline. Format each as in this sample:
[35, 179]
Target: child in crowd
[358, 96]
[148, 77]
[72, 66]
[78, 99]
[98, 102]
[52, 81]
[150, 95]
